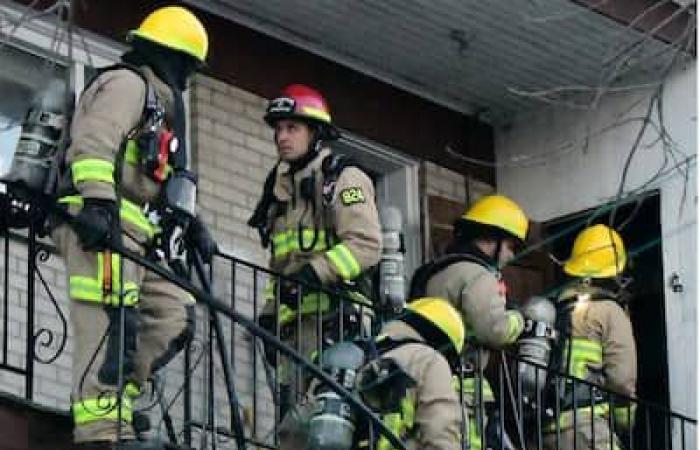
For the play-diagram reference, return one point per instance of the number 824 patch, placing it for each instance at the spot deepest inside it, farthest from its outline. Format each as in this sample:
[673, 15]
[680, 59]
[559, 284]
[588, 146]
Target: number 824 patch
[352, 195]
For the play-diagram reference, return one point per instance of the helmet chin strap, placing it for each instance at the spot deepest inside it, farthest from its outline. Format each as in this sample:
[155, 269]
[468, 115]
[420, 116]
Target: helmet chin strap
[497, 252]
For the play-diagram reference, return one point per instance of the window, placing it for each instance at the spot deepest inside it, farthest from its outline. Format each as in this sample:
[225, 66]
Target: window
[23, 78]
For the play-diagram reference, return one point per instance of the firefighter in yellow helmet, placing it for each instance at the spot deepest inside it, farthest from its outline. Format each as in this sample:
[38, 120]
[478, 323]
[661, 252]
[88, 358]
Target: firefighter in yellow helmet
[128, 150]
[486, 238]
[406, 378]
[596, 344]
[319, 218]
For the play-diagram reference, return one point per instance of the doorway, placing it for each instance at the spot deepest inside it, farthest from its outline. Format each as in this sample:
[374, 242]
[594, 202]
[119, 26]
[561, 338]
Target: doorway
[641, 232]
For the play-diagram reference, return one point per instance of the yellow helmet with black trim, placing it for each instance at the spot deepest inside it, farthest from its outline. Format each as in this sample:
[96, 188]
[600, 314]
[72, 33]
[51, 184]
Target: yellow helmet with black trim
[598, 252]
[177, 28]
[443, 316]
[500, 212]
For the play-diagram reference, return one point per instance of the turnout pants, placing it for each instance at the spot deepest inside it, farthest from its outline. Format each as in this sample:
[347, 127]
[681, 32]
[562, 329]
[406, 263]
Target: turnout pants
[159, 319]
[301, 332]
[588, 435]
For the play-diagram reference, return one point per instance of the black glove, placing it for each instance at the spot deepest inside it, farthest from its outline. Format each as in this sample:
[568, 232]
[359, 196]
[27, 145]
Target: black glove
[109, 371]
[96, 224]
[307, 275]
[267, 322]
[304, 279]
[198, 237]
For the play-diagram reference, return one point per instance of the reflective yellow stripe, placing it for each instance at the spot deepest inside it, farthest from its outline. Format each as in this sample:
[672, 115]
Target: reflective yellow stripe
[344, 261]
[129, 212]
[101, 408]
[408, 411]
[131, 154]
[315, 301]
[515, 326]
[132, 389]
[287, 314]
[624, 416]
[318, 113]
[269, 290]
[92, 169]
[583, 352]
[392, 422]
[469, 387]
[474, 434]
[310, 304]
[288, 241]
[566, 418]
[92, 290]
[398, 422]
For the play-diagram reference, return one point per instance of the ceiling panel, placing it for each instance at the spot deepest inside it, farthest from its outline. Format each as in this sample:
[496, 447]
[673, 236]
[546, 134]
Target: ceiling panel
[465, 54]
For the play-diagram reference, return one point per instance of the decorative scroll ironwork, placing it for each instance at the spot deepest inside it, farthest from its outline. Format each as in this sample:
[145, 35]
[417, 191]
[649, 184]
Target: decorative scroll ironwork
[44, 337]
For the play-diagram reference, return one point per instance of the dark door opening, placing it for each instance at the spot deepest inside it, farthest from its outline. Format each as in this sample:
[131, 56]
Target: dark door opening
[641, 234]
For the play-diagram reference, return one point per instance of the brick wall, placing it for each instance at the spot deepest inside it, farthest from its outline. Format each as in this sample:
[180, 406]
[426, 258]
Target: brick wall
[51, 381]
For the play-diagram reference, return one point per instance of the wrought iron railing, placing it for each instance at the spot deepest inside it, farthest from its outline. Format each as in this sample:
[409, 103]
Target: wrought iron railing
[22, 257]
[248, 413]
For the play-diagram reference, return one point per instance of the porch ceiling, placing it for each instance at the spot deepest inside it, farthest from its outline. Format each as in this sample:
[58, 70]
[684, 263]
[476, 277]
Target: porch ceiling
[473, 56]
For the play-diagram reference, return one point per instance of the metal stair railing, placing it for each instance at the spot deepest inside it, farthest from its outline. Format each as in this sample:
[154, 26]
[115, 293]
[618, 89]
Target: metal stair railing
[23, 254]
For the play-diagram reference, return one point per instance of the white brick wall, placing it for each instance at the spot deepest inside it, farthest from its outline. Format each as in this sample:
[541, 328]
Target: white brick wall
[52, 382]
[234, 152]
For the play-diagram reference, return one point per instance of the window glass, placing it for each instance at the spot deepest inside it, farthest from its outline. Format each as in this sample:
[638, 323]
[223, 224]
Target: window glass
[23, 77]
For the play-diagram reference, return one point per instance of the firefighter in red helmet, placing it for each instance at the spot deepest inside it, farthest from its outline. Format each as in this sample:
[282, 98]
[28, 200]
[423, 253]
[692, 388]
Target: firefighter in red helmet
[318, 216]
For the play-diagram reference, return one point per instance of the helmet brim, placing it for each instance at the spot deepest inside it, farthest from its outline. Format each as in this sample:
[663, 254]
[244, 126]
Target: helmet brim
[328, 131]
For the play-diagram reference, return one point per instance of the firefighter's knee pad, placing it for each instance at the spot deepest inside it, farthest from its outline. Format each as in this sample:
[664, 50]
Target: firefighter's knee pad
[180, 341]
[109, 370]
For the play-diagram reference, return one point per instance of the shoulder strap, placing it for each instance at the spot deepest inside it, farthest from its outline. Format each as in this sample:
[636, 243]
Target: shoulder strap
[151, 102]
[424, 273]
[152, 110]
[260, 218]
[331, 168]
[387, 344]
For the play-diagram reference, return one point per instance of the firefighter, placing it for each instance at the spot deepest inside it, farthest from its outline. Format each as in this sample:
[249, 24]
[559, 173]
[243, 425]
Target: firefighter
[597, 344]
[128, 144]
[319, 217]
[486, 238]
[406, 379]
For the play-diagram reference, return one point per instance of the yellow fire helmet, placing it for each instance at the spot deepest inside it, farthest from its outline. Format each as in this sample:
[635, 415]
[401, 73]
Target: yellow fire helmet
[177, 28]
[598, 252]
[442, 315]
[500, 212]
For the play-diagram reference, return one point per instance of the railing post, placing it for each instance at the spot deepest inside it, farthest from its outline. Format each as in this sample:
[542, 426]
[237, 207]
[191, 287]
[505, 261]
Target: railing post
[29, 357]
[6, 298]
[187, 396]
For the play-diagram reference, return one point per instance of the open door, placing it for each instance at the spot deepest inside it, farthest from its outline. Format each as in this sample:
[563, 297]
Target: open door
[641, 232]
